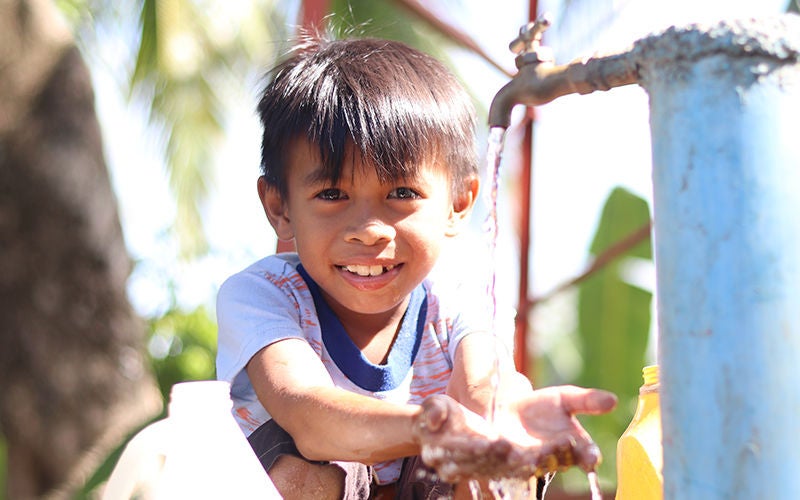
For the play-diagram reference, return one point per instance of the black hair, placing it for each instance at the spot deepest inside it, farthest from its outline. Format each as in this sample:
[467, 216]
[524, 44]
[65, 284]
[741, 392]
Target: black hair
[396, 105]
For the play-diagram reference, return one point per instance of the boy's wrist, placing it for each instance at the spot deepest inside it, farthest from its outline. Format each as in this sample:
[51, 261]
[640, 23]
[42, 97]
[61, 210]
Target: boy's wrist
[421, 423]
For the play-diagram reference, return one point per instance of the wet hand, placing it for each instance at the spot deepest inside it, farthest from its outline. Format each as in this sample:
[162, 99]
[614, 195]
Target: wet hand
[555, 439]
[458, 443]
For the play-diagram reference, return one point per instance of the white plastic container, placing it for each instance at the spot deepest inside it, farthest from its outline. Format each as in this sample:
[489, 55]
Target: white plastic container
[197, 452]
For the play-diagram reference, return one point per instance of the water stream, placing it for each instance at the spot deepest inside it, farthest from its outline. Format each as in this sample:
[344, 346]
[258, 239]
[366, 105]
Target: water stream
[594, 486]
[505, 488]
[494, 156]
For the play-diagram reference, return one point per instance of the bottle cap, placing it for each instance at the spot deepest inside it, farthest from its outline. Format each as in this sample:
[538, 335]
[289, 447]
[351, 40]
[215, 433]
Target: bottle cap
[650, 375]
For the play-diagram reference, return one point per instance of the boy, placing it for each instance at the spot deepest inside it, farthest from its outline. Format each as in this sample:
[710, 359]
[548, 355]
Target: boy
[351, 351]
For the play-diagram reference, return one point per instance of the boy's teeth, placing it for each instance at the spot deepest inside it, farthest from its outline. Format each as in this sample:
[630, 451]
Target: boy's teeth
[368, 270]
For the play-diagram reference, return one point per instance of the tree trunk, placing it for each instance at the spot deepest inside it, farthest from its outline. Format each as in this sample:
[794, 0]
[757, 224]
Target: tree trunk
[73, 380]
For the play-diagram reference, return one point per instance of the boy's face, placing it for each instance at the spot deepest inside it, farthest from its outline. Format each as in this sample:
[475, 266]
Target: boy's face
[366, 244]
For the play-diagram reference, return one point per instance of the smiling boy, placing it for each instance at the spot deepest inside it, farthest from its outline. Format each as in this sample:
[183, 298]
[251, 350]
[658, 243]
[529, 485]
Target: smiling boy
[339, 354]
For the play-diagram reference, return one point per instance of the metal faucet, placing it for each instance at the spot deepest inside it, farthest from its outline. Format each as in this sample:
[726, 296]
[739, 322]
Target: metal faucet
[539, 80]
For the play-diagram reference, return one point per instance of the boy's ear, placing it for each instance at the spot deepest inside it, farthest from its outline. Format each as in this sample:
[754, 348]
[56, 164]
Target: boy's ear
[463, 203]
[276, 210]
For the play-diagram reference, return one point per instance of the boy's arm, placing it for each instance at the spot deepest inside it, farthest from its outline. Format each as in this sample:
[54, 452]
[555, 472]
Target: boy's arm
[326, 422]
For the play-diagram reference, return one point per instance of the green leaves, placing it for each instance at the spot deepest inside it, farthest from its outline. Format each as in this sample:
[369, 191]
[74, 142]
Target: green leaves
[614, 316]
[613, 313]
[609, 343]
[182, 346]
[191, 65]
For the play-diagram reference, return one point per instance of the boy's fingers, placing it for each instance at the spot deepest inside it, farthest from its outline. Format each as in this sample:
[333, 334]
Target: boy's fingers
[589, 456]
[564, 452]
[587, 401]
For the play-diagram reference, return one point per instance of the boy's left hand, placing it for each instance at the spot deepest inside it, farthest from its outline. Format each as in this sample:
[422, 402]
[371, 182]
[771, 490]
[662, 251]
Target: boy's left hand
[555, 439]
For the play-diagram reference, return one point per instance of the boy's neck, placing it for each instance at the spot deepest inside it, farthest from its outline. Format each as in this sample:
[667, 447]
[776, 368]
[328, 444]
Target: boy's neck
[373, 334]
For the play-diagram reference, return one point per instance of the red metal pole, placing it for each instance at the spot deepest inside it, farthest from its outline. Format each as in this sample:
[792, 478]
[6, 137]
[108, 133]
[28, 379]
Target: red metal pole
[523, 301]
[521, 327]
[313, 12]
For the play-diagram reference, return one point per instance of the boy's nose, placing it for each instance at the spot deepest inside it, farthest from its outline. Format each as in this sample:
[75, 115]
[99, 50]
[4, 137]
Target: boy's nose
[370, 231]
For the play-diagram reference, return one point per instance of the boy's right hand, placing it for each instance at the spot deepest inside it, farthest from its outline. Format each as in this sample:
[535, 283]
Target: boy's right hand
[538, 435]
[458, 443]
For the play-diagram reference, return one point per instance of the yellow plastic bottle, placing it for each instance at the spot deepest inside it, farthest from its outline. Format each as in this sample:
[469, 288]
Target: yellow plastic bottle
[639, 452]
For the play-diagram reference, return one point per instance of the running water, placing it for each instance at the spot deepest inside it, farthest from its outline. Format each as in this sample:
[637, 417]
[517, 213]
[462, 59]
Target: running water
[503, 488]
[494, 155]
[594, 486]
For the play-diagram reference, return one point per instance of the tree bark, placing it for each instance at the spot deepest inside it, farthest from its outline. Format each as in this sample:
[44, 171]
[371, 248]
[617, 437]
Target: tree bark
[73, 377]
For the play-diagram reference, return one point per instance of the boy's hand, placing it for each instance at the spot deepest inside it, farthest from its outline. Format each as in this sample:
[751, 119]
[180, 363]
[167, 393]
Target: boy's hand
[556, 440]
[458, 443]
[538, 434]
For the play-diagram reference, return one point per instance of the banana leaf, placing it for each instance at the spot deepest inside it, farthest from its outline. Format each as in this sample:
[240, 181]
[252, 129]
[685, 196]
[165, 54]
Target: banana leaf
[614, 323]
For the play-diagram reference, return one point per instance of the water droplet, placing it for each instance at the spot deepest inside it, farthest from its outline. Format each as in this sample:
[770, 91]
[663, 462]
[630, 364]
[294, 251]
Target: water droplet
[594, 486]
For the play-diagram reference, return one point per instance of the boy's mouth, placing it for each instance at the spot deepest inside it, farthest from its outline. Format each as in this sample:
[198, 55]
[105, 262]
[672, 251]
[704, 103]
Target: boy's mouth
[367, 270]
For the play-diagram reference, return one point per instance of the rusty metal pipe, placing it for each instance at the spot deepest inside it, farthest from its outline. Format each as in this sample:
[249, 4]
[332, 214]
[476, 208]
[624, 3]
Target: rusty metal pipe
[540, 81]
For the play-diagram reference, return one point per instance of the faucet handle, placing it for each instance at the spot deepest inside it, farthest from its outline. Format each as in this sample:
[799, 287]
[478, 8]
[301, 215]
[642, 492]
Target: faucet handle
[528, 45]
[530, 35]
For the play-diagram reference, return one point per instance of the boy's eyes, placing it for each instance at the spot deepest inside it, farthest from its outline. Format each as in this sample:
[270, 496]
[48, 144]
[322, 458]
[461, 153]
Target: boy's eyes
[330, 194]
[401, 193]
[404, 193]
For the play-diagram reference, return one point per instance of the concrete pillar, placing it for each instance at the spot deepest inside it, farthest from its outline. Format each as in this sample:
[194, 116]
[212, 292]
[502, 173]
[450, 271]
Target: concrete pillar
[725, 120]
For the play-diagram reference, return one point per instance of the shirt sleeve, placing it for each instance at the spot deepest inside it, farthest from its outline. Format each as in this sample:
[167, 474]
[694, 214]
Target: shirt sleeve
[473, 316]
[255, 308]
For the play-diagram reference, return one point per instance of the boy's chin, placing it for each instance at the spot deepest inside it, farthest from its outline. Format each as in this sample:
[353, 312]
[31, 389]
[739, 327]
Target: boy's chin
[367, 303]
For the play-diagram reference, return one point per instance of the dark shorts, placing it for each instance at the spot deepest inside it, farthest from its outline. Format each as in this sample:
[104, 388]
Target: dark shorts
[417, 481]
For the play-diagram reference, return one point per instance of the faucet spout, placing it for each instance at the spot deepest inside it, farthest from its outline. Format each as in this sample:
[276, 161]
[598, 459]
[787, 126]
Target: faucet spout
[540, 81]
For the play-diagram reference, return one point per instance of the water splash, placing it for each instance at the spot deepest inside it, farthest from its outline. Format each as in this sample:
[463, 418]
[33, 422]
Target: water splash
[475, 489]
[502, 489]
[510, 489]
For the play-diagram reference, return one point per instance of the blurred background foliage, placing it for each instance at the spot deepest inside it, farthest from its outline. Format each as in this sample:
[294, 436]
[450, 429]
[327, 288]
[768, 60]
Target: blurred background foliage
[3, 465]
[612, 332]
[182, 346]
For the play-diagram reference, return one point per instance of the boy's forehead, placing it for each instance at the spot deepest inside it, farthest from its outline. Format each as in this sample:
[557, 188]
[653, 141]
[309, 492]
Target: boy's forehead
[352, 171]
[306, 155]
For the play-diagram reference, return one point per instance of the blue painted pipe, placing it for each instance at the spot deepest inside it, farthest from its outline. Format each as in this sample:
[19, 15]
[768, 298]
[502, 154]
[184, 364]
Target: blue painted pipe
[725, 122]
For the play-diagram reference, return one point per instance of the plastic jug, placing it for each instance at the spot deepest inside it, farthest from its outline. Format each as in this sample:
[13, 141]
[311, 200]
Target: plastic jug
[197, 452]
[639, 451]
